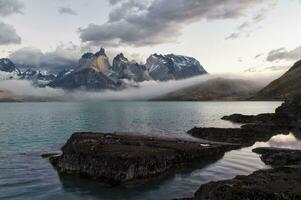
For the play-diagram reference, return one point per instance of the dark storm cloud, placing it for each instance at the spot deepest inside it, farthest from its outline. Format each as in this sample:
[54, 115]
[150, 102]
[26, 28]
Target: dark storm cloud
[66, 11]
[8, 35]
[283, 54]
[139, 23]
[9, 7]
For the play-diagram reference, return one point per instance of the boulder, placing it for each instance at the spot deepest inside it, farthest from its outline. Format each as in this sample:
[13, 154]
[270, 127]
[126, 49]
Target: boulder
[116, 159]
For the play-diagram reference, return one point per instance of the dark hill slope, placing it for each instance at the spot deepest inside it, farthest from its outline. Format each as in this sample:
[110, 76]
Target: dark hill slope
[288, 86]
[215, 89]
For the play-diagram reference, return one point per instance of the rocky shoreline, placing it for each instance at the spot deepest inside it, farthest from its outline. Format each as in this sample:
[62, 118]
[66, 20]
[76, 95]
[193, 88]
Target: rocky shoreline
[116, 159]
[281, 182]
[278, 183]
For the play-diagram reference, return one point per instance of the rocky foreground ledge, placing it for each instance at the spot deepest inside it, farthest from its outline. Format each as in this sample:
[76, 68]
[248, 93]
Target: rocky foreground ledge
[283, 182]
[116, 159]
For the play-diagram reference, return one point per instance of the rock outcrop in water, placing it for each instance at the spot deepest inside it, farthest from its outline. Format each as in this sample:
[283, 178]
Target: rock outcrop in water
[240, 136]
[287, 116]
[282, 182]
[279, 156]
[256, 127]
[116, 159]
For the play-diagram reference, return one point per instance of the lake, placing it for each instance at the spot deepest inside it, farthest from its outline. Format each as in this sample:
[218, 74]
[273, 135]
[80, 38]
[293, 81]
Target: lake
[29, 129]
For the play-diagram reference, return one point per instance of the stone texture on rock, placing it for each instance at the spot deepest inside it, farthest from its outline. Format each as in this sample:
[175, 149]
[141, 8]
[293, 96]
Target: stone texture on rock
[279, 156]
[116, 159]
[283, 183]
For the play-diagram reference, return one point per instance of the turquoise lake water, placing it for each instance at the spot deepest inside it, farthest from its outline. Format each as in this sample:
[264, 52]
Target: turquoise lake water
[29, 129]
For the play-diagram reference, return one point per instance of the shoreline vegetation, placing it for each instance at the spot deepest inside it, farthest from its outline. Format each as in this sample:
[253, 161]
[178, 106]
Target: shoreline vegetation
[120, 159]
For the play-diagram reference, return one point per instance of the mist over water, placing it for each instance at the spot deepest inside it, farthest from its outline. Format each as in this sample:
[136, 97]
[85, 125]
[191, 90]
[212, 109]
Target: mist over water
[136, 91]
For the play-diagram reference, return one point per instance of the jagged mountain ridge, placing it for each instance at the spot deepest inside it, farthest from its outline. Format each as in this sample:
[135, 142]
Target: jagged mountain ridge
[125, 69]
[95, 72]
[8, 71]
[173, 66]
[105, 76]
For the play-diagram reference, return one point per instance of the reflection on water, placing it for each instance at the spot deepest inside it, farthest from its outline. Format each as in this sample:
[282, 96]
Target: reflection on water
[28, 130]
[185, 183]
[285, 141]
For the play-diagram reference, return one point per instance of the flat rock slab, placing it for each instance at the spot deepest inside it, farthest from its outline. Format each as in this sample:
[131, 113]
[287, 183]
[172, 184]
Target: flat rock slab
[116, 159]
[279, 156]
[280, 183]
[246, 119]
[241, 136]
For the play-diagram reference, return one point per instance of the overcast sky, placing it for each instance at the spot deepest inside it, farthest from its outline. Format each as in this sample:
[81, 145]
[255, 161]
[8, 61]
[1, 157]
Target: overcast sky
[224, 35]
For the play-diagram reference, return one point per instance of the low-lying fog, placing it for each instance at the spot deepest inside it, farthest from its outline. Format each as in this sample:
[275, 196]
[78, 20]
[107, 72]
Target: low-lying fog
[142, 91]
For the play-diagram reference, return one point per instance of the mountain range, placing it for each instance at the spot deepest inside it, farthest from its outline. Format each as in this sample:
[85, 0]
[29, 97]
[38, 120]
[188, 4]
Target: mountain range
[288, 86]
[94, 71]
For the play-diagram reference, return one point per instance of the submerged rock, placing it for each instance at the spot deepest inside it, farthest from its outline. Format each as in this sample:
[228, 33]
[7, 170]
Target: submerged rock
[280, 183]
[279, 156]
[116, 159]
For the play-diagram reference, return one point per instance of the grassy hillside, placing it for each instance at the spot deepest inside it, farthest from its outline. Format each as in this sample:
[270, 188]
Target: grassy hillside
[215, 89]
[286, 87]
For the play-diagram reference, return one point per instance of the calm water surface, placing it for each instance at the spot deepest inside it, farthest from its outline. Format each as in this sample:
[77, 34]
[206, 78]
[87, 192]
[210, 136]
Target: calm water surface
[29, 129]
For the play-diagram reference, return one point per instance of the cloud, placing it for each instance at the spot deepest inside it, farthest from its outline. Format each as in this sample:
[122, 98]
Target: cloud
[66, 11]
[9, 7]
[258, 55]
[152, 22]
[246, 28]
[25, 88]
[233, 36]
[8, 35]
[272, 70]
[64, 56]
[283, 54]
[142, 91]
[113, 2]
